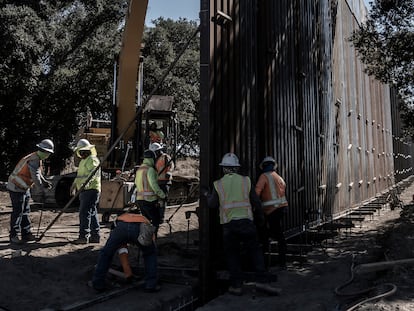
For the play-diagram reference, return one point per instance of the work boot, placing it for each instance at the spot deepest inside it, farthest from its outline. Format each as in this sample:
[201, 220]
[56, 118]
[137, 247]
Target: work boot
[269, 289]
[15, 240]
[237, 291]
[80, 241]
[28, 238]
[154, 289]
[94, 239]
[98, 289]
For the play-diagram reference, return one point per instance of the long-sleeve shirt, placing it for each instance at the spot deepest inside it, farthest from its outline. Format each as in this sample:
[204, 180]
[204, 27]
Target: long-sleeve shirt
[151, 178]
[35, 167]
[271, 189]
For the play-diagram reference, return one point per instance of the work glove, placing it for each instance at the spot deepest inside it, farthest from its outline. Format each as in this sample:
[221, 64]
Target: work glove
[72, 190]
[146, 233]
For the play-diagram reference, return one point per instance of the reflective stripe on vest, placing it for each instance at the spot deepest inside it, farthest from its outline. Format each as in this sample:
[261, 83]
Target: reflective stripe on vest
[21, 176]
[234, 203]
[276, 201]
[144, 193]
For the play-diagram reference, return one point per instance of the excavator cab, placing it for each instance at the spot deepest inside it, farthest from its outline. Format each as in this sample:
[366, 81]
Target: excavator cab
[159, 123]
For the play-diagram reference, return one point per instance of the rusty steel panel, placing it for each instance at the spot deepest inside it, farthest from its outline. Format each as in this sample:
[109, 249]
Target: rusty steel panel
[284, 80]
[364, 121]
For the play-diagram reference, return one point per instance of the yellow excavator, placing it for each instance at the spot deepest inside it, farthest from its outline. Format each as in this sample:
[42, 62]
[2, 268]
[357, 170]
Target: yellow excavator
[120, 143]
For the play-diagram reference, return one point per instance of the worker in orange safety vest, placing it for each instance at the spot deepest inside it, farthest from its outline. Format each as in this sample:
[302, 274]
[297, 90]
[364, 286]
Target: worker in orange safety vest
[155, 134]
[26, 174]
[271, 189]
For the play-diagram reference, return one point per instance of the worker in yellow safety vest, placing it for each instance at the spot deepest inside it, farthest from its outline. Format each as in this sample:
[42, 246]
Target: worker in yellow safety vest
[26, 174]
[88, 181]
[164, 167]
[148, 192]
[271, 189]
[236, 199]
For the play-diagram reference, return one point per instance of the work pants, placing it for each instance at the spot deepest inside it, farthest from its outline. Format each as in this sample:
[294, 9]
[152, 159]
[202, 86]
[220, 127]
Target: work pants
[238, 233]
[151, 211]
[123, 233]
[19, 219]
[274, 230]
[88, 214]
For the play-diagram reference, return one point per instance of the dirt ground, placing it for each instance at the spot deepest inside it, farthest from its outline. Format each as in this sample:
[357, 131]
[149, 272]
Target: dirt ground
[53, 272]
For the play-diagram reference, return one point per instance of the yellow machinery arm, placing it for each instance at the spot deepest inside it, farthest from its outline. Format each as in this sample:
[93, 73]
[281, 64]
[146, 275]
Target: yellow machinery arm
[129, 64]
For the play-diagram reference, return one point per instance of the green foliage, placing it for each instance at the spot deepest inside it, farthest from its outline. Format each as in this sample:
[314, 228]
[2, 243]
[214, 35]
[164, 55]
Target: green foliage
[385, 44]
[55, 63]
[162, 44]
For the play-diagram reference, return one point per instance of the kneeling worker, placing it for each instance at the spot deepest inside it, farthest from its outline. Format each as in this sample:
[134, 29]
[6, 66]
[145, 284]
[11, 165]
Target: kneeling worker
[133, 229]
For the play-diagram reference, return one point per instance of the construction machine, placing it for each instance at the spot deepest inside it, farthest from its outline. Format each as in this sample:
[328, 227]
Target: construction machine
[119, 163]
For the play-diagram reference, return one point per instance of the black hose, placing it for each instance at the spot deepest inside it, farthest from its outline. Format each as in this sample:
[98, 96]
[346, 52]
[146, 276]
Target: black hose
[383, 295]
[338, 289]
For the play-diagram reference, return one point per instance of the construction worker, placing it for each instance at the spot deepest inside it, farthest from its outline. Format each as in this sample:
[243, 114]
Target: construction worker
[147, 189]
[26, 174]
[90, 186]
[155, 134]
[133, 229]
[271, 189]
[164, 165]
[146, 207]
[234, 196]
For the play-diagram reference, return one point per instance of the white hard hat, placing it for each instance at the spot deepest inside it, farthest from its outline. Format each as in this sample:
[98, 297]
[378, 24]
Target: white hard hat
[267, 159]
[155, 147]
[230, 160]
[83, 144]
[46, 145]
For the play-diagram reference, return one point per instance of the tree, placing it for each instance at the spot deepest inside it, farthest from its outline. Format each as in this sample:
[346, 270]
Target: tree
[162, 44]
[55, 64]
[385, 43]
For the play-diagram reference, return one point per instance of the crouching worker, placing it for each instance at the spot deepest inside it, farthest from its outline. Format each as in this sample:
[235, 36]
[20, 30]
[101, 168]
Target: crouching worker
[132, 229]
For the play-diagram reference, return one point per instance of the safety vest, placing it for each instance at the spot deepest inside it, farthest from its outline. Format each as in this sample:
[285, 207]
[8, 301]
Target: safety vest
[156, 137]
[144, 191]
[86, 166]
[273, 194]
[163, 170]
[21, 175]
[234, 192]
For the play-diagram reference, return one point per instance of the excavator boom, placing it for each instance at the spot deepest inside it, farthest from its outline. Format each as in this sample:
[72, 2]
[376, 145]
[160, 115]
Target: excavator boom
[128, 64]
